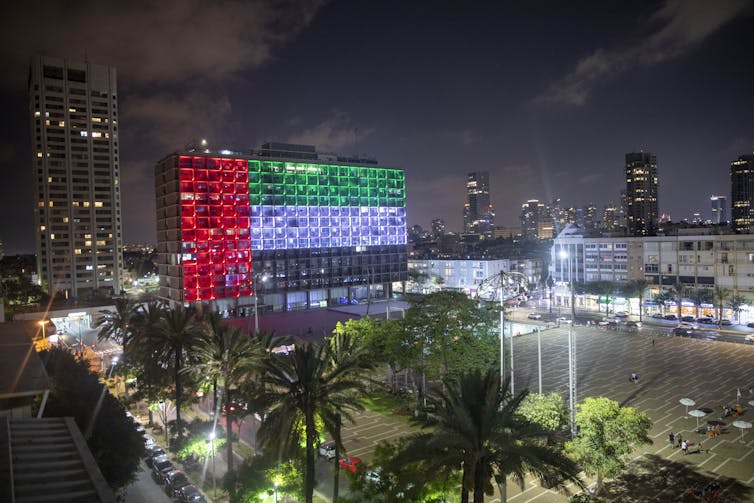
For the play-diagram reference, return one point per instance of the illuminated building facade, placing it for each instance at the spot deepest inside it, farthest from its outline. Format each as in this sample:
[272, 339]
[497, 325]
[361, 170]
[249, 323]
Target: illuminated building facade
[641, 193]
[301, 231]
[742, 194]
[536, 222]
[478, 213]
[73, 112]
[719, 209]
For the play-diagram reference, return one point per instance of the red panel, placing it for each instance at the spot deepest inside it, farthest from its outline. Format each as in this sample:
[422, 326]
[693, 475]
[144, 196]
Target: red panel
[214, 222]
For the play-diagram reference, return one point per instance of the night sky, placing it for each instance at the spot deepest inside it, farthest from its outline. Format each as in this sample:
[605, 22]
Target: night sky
[546, 96]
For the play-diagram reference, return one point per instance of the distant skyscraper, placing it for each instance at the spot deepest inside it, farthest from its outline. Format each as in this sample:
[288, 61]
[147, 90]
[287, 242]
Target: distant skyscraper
[589, 217]
[719, 206]
[536, 221]
[438, 227]
[610, 218]
[641, 193]
[478, 213]
[73, 112]
[742, 193]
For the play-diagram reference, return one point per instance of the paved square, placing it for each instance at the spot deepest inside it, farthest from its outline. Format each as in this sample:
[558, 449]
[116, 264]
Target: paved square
[670, 368]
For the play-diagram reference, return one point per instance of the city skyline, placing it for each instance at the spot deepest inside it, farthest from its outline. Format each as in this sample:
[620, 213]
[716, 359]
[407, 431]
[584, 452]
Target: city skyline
[547, 117]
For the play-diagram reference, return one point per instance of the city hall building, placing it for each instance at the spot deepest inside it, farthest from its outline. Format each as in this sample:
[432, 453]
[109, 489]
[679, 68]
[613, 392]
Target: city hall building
[294, 227]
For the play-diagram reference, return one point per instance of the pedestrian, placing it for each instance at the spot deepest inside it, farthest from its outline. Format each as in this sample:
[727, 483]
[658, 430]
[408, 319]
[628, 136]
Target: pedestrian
[684, 447]
[653, 341]
[679, 438]
[671, 439]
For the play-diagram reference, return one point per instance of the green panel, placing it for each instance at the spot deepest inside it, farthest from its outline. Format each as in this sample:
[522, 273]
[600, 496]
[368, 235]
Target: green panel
[318, 184]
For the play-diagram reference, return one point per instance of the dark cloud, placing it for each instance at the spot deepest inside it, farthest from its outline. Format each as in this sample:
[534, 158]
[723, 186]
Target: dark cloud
[163, 42]
[682, 25]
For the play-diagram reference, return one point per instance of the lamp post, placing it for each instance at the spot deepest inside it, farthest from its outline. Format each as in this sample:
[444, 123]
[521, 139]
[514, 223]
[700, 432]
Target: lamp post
[212, 448]
[276, 491]
[42, 324]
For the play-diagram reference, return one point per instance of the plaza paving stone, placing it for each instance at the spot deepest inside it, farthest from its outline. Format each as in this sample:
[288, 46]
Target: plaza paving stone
[669, 368]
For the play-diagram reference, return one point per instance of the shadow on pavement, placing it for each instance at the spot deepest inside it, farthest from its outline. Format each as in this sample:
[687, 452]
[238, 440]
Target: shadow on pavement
[648, 477]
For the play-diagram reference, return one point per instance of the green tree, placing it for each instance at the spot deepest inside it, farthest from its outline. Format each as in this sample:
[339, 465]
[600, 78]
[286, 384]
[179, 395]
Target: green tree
[477, 427]
[660, 298]
[227, 356]
[721, 295]
[637, 289]
[700, 296]
[547, 411]
[736, 302]
[676, 293]
[74, 391]
[172, 337]
[300, 387]
[608, 433]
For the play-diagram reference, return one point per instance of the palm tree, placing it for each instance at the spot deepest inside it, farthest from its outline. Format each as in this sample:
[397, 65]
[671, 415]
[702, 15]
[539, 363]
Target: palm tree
[736, 304]
[477, 428]
[175, 333]
[721, 294]
[700, 296]
[637, 288]
[301, 388]
[676, 293]
[149, 370]
[230, 357]
[661, 298]
[114, 325]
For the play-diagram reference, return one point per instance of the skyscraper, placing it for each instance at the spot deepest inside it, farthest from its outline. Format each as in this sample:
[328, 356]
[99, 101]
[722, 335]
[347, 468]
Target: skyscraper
[322, 231]
[438, 227]
[719, 208]
[478, 213]
[536, 221]
[641, 193]
[742, 194]
[73, 111]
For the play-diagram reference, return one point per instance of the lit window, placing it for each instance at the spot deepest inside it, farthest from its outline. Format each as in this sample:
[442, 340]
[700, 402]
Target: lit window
[84, 133]
[49, 179]
[65, 220]
[77, 251]
[96, 119]
[42, 227]
[41, 204]
[87, 243]
[37, 114]
[51, 204]
[87, 236]
[86, 204]
[101, 242]
[72, 110]
[98, 204]
[52, 236]
[61, 123]
[96, 134]
[75, 203]
[89, 267]
[47, 122]
[39, 154]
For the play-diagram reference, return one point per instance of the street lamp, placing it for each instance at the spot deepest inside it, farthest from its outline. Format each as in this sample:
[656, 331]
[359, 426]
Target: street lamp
[212, 448]
[256, 308]
[276, 491]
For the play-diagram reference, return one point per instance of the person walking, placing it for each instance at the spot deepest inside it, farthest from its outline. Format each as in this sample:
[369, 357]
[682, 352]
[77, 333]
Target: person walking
[671, 439]
[684, 447]
[679, 438]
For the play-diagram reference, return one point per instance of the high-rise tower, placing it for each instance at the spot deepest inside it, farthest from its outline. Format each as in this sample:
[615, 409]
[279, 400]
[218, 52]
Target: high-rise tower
[719, 208]
[742, 194]
[74, 131]
[478, 213]
[641, 193]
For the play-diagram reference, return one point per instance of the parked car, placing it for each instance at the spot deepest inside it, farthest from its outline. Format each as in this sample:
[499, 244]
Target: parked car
[671, 317]
[174, 482]
[372, 476]
[190, 494]
[621, 314]
[682, 331]
[149, 441]
[327, 450]
[750, 325]
[726, 322]
[633, 324]
[691, 326]
[351, 463]
[689, 319]
[534, 316]
[155, 452]
[749, 338]
[564, 319]
[160, 468]
[658, 316]
[706, 320]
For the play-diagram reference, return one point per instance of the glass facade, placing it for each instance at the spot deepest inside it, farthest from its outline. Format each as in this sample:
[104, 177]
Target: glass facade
[231, 207]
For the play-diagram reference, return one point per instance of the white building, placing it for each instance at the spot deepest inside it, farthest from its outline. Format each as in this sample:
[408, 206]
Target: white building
[466, 275]
[73, 112]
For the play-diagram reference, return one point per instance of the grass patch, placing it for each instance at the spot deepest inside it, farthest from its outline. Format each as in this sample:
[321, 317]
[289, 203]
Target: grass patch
[386, 404]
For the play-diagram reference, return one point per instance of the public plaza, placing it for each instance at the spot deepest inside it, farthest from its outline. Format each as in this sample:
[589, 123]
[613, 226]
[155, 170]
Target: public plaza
[669, 369]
